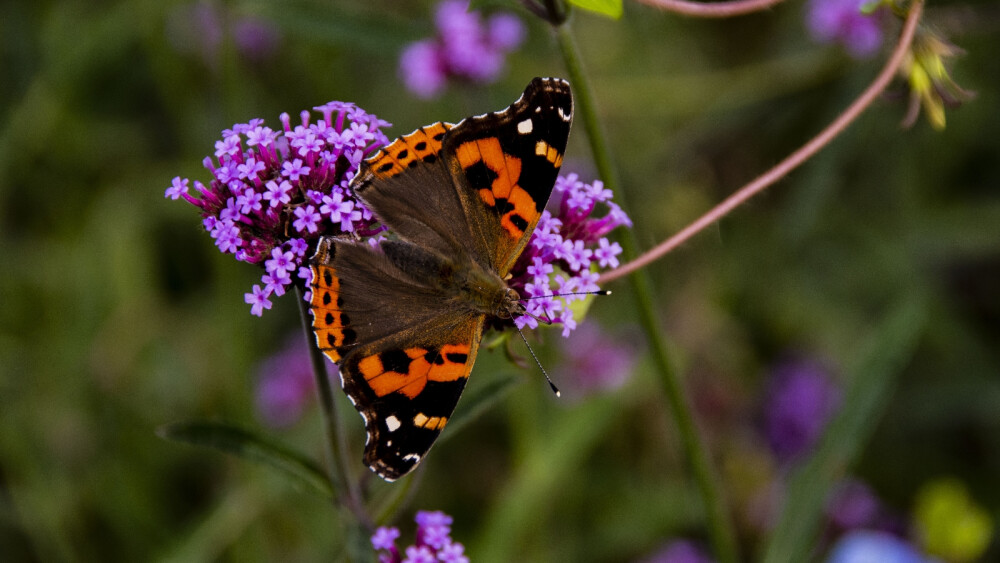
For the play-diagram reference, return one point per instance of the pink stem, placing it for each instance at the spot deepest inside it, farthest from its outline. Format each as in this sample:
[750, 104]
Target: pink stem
[713, 10]
[791, 162]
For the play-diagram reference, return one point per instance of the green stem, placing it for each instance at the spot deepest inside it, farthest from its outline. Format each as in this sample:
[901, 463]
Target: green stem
[720, 525]
[345, 489]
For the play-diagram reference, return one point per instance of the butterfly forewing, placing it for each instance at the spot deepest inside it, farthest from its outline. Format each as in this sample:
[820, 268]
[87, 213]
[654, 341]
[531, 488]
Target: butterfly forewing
[505, 164]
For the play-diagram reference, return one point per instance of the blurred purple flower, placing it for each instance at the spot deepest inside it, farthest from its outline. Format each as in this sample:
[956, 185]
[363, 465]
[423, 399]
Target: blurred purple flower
[255, 38]
[842, 21]
[679, 551]
[285, 384]
[853, 505]
[560, 258]
[273, 193]
[594, 360]
[463, 48]
[433, 542]
[201, 27]
[871, 547]
[800, 401]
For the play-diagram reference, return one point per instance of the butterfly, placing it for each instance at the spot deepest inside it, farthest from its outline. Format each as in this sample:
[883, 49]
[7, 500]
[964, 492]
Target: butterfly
[404, 321]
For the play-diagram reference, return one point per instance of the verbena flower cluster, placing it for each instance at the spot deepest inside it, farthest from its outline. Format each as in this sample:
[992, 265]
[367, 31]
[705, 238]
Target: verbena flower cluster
[433, 542]
[465, 47]
[566, 250]
[274, 193]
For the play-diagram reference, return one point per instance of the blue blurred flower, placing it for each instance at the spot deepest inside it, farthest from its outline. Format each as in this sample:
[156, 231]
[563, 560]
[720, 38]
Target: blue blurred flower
[801, 399]
[464, 48]
[874, 547]
[844, 22]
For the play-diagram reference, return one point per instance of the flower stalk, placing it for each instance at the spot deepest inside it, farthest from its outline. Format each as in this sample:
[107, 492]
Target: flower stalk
[720, 526]
[345, 488]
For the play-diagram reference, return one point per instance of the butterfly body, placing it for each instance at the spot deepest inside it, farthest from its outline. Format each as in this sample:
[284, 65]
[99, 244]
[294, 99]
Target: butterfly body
[404, 321]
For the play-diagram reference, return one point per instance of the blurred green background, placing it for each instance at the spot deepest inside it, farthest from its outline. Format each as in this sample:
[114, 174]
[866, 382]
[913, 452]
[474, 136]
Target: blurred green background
[117, 314]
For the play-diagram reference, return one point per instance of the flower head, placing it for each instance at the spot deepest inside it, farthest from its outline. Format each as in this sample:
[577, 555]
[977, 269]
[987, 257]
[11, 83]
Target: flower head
[845, 22]
[273, 193]
[433, 542]
[925, 70]
[801, 399]
[568, 244]
[465, 48]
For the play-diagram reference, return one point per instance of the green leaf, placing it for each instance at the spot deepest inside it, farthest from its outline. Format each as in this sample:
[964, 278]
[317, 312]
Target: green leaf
[873, 376]
[610, 8]
[247, 445]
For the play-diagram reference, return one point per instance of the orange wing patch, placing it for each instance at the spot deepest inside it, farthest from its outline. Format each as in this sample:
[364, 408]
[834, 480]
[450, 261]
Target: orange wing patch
[331, 325]
[423, 145]
[494, 174]
[408, 371]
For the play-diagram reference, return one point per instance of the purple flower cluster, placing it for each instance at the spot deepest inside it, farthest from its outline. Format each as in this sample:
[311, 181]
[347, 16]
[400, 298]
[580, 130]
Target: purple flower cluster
[274, 193]
[801, 400]
[845, 22]
[465, 48]
[433, 542]
[565, 250]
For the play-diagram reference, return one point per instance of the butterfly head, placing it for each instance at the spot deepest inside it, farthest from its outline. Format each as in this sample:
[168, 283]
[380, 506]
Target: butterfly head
[510, 306]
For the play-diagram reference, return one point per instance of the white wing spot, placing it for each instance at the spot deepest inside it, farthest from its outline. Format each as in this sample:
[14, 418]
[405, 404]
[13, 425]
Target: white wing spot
[411, 457]
[392, 423]
[564, 115]
[524, 127]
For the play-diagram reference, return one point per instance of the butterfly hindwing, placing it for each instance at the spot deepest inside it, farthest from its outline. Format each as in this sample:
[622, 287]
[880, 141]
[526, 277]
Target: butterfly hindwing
[403, 365]
[407, 395]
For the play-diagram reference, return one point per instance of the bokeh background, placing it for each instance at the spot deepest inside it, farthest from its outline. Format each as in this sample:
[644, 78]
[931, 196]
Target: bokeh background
[117, 314]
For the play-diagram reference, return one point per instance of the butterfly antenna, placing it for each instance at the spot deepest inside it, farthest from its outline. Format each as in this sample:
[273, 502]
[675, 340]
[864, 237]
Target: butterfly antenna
[534, 357]
[600, 292]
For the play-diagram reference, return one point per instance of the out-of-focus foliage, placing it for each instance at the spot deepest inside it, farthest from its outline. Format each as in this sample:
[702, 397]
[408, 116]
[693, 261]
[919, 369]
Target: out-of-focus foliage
[118, 315]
